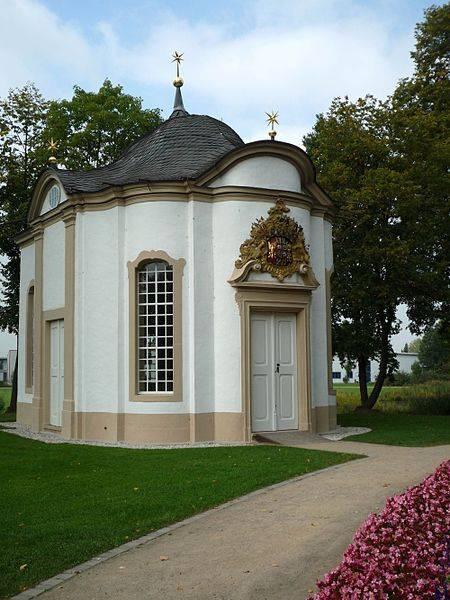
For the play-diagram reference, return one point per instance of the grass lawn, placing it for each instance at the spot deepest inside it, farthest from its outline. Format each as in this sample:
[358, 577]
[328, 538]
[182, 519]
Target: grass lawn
[399, 429]
[66, 503]
[396, 419]
[5, 396]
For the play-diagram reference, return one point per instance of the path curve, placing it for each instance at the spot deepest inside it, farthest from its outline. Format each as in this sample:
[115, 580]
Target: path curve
[273, 545]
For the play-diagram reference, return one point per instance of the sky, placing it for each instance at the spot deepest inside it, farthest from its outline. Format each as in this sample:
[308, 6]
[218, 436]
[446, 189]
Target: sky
[242, 58]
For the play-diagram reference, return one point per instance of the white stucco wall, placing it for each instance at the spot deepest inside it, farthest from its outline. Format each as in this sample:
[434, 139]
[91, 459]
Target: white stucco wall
[105, 242]
[208, 237]
[319, 371]
[262, 171]
[53, 284]
[27, 264]
[232, 221]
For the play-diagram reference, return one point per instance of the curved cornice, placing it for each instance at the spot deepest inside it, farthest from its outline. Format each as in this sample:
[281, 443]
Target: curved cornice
[38, 193]
[289, 152]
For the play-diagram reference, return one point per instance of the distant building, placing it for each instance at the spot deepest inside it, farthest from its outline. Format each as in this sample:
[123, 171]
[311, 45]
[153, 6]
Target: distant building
[3, 369]
[12, 355]
[405, 361]
[7, 364]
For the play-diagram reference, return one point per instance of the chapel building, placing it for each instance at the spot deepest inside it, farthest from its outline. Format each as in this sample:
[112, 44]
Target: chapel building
[179, 294]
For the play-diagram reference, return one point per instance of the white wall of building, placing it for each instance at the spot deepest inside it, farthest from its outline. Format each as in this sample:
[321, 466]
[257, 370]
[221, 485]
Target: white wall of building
[263, 172]
[208, 237]
[27, 265]
[53, 282]
[405, 359]
[319, 366]
[105, 242]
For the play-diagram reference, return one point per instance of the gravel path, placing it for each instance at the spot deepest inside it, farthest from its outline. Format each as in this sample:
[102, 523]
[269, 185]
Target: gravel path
[53, 438]
[271, 545]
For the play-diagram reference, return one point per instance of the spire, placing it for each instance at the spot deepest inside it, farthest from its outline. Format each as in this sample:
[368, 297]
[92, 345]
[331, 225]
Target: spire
[178, 106]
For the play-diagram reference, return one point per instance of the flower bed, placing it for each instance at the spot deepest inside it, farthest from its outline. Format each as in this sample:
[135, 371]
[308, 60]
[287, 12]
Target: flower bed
[402, 553]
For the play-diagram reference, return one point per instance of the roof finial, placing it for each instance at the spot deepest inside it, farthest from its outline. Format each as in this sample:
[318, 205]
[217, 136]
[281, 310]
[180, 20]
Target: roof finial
[272, 118]
[52, 146]
[177, 58]
[178, 106]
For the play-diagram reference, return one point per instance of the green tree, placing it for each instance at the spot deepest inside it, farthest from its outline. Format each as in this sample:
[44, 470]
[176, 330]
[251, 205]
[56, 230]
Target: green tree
[350, 147]
[414, 346]
[94, 128]
[22, 154]
[421, 142]
[385, 165]
[405, 348]
[434, 353]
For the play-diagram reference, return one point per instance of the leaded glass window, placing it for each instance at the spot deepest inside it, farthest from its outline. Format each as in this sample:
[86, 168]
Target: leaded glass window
[155, 327]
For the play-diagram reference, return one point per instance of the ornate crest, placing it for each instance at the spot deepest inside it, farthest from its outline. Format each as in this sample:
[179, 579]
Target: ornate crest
[277, 244]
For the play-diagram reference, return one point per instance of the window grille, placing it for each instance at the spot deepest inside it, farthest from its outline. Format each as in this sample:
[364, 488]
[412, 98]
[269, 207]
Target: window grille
[155, 327]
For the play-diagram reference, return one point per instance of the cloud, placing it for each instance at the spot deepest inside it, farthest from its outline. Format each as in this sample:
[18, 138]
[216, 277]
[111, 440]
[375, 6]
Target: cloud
[291, 56]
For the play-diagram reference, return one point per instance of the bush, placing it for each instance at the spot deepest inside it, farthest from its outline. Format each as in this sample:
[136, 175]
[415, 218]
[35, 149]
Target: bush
[398, 379]
[432, 398]
[437, 405]
[2, 406]
[400, 553]
[421, 375]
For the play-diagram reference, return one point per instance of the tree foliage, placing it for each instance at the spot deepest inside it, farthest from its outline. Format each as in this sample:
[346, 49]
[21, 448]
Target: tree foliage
[94, 128]
[434, 353]
[414, 346]
[385, 166]
[22, 155]
[421, 142]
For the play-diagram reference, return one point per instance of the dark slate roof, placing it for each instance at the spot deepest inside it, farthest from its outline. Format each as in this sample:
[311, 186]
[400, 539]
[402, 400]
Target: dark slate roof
[183, 147]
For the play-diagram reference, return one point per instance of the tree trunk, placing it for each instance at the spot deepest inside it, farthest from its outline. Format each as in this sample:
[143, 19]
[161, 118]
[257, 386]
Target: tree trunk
[380, 379]
[384, 355]
[362, 376]
[13, 405]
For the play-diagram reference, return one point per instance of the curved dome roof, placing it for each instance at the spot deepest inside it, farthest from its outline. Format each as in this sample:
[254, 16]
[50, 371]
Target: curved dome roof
[183, 147]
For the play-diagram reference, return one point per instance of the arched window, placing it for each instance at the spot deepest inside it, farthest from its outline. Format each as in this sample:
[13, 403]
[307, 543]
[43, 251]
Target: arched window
[29, 340]
[155, 327]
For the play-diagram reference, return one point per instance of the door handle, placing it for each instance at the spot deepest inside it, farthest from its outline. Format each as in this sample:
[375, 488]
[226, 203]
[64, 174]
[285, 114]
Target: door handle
[277, 370]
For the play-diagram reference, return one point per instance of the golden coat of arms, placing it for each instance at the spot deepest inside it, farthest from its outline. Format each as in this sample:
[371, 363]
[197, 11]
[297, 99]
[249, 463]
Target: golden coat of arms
[277, 244]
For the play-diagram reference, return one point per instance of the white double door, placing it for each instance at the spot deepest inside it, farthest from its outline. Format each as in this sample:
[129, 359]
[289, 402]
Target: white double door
[56, 371]
[274, 398]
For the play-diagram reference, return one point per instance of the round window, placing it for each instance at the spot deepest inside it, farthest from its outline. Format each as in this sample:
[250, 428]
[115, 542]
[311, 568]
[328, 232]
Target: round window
[54, 196]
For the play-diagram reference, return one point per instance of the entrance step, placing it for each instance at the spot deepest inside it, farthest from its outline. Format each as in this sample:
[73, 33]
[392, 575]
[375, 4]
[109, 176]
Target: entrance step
[288, 438]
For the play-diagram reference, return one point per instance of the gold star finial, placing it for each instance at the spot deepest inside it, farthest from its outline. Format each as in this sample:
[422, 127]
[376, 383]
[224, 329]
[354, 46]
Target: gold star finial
[52, 146]
[177, 58]
[272, 118]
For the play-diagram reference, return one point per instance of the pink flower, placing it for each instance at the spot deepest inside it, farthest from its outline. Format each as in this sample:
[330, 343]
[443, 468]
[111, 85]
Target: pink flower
[401, 553]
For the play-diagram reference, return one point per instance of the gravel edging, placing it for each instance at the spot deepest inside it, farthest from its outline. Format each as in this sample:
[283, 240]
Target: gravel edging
[340, 433]
[48, 584]
[48, 437]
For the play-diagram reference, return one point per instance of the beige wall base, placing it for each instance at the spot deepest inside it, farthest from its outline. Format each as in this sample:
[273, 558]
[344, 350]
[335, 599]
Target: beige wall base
[139, 428]
[164, 429]
[25, 413]
[324, 418]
